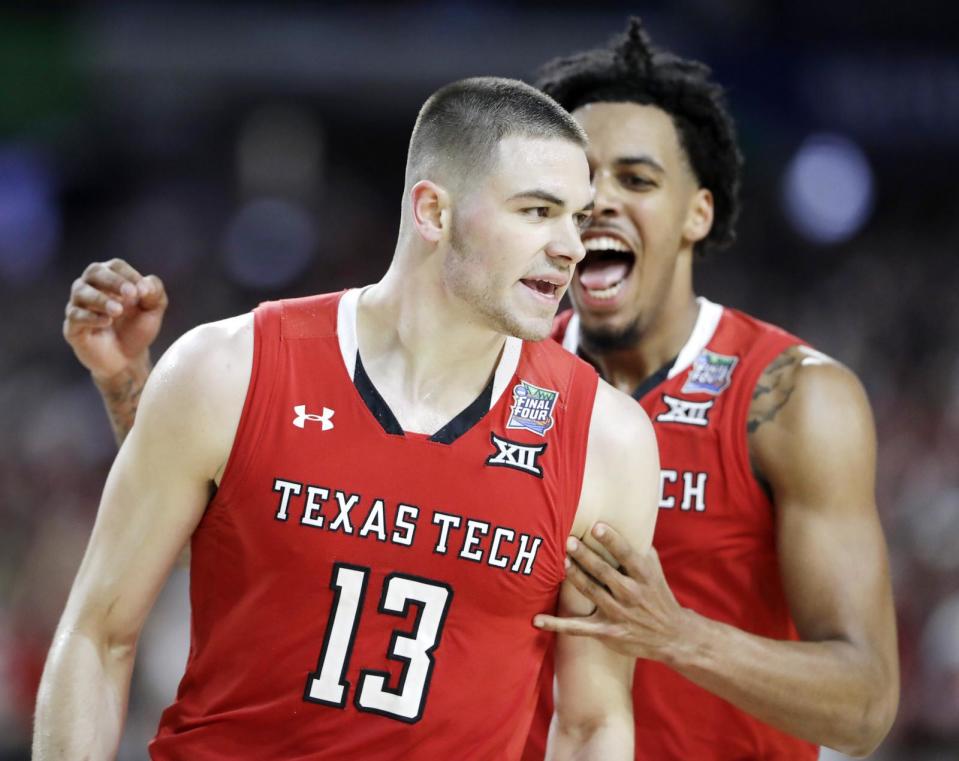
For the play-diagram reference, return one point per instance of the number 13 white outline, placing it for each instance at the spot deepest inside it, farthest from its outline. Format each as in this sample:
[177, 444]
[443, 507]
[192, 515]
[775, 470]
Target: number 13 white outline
[414, 649]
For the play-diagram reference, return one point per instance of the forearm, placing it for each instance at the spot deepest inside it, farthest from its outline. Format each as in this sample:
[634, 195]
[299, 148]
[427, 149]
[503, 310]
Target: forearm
[828, 693]
[121, 395]
[81, 704]
[609, 738]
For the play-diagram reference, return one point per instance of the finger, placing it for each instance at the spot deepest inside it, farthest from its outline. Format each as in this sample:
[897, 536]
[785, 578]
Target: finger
[79, 319]
[614, 543]
[91, 299]
[595, 565]
[103, 278]
[123, 268]
[152, 293]
[593, 591]
[577, 626]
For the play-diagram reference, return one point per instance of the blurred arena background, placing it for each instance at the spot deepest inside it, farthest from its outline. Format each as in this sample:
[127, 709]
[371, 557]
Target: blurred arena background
[254, 150]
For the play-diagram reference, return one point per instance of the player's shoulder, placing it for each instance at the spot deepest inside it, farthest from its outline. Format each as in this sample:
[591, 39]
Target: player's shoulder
[804, 391]
[622, 468]
[753, 331]
[619, 425]
[209, 363]
[210, 344]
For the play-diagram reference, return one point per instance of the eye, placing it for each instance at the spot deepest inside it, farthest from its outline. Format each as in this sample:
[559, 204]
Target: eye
[539, 212]
[636, 182]
[582, 219]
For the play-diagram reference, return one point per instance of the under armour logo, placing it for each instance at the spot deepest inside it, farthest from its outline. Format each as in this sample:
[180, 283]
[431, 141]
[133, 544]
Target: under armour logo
[509, 454]
[302, 416]
[685, 411]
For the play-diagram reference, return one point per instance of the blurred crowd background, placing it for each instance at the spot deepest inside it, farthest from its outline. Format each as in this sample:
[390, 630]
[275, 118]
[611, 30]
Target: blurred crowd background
[248, 151]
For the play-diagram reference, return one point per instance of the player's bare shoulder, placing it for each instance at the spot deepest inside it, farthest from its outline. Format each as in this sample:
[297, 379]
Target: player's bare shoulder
[618, 420]
[622, 466]
[196, 392]
[802, 395]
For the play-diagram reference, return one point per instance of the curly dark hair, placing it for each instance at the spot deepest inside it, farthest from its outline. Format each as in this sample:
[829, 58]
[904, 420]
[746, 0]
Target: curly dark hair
[629, 69]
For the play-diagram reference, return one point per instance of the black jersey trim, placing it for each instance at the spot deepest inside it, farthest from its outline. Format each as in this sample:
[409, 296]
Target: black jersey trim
[467, 418]
[647, 385]
[449, 433]
[374, 402]
[653, 380]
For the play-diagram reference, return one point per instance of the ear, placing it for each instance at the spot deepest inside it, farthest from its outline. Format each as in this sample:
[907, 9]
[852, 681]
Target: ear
[430, 204]
[699, 216]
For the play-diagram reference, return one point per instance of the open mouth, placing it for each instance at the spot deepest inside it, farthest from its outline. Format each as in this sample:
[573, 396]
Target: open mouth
[541, 286]
[605, 268]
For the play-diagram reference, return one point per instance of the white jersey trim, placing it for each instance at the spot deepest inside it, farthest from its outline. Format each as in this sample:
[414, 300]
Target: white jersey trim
[506, 369]
[703, 331]
[349, 345]
[571, 336]
[346, 328]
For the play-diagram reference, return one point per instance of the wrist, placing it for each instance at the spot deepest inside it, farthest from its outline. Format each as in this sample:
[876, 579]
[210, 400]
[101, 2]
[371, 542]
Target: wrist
[134, 374]
[690, 648]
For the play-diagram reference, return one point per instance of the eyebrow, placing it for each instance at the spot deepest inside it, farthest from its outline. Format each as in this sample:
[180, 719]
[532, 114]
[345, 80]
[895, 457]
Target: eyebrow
[644, 160]
[543, 195]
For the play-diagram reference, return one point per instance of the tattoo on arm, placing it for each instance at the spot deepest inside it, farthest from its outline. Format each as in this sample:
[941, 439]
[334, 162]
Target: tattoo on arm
[773, 389]
[121, 400]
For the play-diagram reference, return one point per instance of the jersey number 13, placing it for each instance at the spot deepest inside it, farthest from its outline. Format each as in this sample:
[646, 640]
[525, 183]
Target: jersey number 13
[328, 684]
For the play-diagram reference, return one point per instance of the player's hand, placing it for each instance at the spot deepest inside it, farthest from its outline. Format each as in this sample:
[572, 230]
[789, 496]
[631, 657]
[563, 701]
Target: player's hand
[636, 613]
[113, 315]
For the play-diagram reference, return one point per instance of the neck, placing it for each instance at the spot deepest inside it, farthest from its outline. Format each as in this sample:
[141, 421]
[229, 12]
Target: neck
[427, 355]
[661, 337]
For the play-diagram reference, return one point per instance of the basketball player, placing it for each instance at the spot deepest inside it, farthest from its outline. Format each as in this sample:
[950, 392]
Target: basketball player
[781, 634]
[379, 486]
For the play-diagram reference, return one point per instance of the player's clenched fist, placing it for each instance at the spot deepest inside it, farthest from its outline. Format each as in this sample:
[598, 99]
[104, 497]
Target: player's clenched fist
[113, 315]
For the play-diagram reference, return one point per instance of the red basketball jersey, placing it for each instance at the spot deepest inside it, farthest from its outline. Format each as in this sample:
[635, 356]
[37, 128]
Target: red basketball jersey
[715, 535]
[361, 593]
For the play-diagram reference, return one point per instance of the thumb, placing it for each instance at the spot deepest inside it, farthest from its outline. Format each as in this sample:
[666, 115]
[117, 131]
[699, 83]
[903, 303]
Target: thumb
[152, 293]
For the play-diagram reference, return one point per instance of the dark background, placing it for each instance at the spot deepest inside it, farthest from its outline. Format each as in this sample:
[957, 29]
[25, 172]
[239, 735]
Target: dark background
[246, 151]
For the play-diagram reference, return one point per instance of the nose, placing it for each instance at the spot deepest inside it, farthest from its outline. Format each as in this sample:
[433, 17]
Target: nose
[606, 196]
[567, 243]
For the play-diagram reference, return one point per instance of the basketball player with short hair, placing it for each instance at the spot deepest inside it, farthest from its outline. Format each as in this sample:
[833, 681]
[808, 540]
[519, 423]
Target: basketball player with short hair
[378, 486]
[781, 634]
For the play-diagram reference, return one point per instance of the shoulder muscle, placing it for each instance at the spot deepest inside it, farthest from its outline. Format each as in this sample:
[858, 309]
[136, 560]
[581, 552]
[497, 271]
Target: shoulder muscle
[621, 481]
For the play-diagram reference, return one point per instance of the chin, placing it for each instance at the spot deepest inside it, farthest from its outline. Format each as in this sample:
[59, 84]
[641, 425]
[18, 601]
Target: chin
[528, 330]
[609, 335]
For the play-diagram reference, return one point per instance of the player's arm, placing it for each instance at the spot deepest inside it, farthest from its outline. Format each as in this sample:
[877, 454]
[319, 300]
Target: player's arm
[593, 717]
[154, 497]
[812, 440]
[112, 317]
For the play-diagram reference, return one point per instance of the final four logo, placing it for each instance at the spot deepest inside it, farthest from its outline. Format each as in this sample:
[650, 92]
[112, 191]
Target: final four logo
[711, 373]
[532, 408]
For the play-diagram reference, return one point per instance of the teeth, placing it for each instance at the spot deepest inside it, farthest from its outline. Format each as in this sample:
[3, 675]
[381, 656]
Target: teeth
[605, 243]
[606, 293]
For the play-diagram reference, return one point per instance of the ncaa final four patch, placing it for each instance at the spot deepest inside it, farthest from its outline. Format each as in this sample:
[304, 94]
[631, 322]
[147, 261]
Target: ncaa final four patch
[711, 373]
[532, 408]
